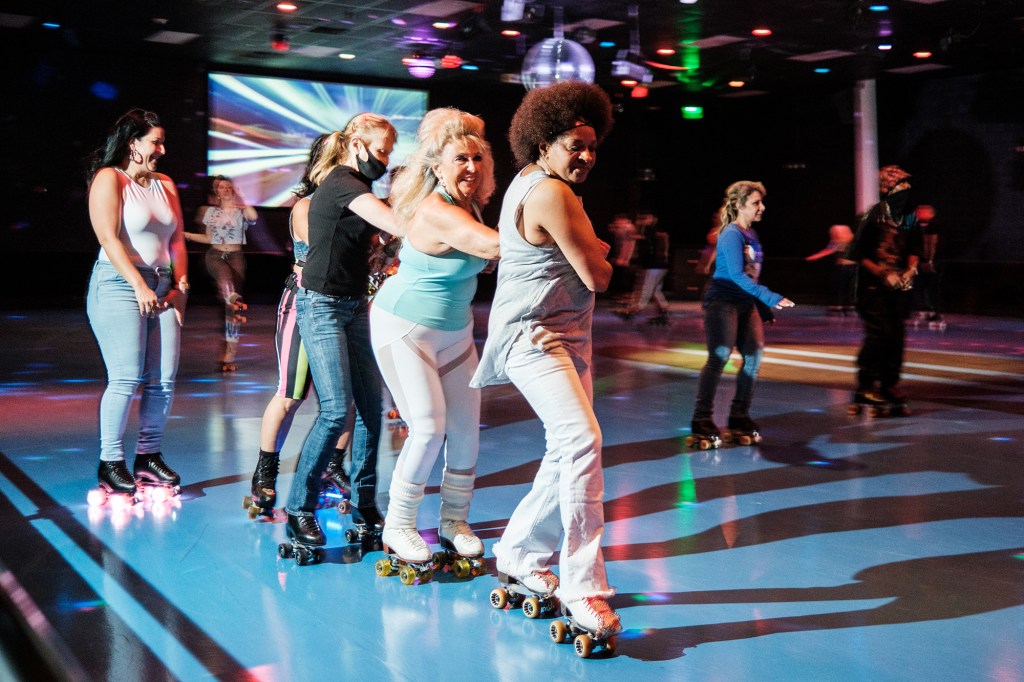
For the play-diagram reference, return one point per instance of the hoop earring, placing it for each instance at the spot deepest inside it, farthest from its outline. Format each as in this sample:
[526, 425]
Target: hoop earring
[131, 155]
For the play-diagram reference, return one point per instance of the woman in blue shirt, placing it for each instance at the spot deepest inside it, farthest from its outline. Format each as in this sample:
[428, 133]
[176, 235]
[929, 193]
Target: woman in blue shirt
[734, 307]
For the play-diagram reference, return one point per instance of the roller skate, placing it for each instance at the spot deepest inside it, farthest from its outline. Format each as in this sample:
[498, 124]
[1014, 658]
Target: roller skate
[367, 526]
[590, 623]
[154, 478]
[306, 540]
[407, 554]
[227, 358]
[936, 323]
[116, 486]
[534, 593]
[870, 401]
[898, 404]
[659, 320]
[704, 435]
[461, 550]
[263, 496]
[335, 485]
[742, 430]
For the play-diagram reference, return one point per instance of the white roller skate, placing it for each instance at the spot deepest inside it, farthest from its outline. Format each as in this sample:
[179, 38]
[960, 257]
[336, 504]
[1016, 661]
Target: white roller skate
[407, 554]
[461, 550]
[590, 623]
[534, 593]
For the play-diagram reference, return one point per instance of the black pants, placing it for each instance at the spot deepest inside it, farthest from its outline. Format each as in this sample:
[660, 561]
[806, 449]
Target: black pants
[884, 313]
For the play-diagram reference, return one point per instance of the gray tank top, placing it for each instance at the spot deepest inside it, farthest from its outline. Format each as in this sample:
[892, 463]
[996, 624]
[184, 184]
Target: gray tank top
[537, 287]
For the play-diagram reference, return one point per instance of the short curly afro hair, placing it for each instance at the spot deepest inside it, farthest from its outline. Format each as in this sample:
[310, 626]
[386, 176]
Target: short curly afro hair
[546, 113]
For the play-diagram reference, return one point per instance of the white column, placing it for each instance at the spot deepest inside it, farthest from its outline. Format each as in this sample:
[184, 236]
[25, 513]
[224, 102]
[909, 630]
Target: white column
[865, 151]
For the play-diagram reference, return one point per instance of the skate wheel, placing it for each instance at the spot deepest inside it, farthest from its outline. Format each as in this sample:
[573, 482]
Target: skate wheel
[690, 440]
[253, 511]
[344, 507]
[499, 597]
[584, 645]
[559, 631]
[727, 437]
[610, 644]
[382, 567]
[284, 551]
[159, 494]
[462, 568]
[746, 440]
[407, 574]
[96, 498]
[439, 560]
[351, 536]
[246, 502]
[531, 607]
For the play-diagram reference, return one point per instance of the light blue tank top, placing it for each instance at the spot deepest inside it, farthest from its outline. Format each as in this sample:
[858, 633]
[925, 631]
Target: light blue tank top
[435, 291]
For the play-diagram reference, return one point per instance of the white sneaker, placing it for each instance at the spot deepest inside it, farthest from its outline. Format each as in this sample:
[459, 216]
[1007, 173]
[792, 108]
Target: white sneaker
[595, 616]
[461, 537]
[406, 544]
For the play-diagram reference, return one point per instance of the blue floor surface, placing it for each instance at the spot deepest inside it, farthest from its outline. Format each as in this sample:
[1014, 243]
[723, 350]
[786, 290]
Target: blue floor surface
[841, 548]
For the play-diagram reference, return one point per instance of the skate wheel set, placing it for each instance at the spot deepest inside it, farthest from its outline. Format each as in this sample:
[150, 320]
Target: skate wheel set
[512, 595]
[253, 509]
[461, 565]
[741, 437]
[304, 555]
[584, 642]
[362, 535]
[709, 442]
[409, 573]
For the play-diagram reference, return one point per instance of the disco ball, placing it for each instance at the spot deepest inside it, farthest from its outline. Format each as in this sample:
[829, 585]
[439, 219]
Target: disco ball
[554, 60]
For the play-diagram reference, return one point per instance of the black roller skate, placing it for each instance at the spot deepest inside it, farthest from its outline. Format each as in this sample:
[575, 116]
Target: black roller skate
[335, 485]
[367, 526]
[306, 540]
[659, 320]
[534, 593]
[704, 435]
[899, 405]
[154, 478]
[116, 486]
[461, 550]
[260, 502]
[742, 430]
[403, 543]
[590, 624]
[870, 401]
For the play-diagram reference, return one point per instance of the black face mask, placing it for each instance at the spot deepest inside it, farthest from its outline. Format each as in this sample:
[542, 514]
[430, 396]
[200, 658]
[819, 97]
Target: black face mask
[372, 168]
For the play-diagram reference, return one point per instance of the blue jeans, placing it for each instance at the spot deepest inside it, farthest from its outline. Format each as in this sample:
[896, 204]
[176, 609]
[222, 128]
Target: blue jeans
[136, 350]
[728, 325]
[336, 334]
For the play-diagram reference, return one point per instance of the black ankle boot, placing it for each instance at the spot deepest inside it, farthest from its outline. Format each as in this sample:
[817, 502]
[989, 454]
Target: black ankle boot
[153, 470]
[264, 480]
[368, 516]
[114, 477]
[305, 530]
[335, 473]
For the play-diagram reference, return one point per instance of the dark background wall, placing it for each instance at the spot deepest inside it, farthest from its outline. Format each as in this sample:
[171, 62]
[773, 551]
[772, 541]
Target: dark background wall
[959, 136]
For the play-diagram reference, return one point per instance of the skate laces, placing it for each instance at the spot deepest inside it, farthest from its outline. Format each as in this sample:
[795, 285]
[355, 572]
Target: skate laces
[541, 582]
[596, 608]
[452, 529]
[409, 535]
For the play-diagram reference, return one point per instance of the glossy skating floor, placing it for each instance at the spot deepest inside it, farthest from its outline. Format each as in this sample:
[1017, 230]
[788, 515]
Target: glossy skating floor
[842, 548]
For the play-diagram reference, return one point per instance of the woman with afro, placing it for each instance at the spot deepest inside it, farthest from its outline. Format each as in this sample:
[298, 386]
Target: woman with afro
[539, 339]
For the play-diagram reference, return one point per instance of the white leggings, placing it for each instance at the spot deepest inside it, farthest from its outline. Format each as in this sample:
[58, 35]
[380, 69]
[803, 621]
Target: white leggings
[428, 371]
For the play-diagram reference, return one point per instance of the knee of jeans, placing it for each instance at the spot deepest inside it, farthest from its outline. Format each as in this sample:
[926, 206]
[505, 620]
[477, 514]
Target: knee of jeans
[719, 356]
[124, 386]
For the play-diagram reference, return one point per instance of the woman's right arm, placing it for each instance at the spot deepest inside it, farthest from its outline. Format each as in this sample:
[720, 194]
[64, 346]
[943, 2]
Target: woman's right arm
[377, 213]
[199, 237]
[552, 208]
[105, 207]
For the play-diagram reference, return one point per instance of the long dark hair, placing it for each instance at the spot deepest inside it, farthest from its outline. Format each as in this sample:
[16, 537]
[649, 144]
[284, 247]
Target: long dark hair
[306, 184]
[133, 125]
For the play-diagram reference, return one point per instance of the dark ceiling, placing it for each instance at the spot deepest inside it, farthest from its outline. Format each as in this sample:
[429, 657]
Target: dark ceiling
[712, 38]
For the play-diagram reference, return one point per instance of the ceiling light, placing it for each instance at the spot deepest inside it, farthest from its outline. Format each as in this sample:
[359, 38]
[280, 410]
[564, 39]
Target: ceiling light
[692, 112]
[470, 67]
[346, 55]
[885, 46]
[512, 10]
[287, 6]
[737, 84]
[451, 61]
[443, 25]
[510, 33]
[822, 69]
[922, 54]
[665, 51]
[761, 32]
[420, 67]
[879, 8]
[629, 82]
[606, 43]
[639, 92]
[279, 42]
